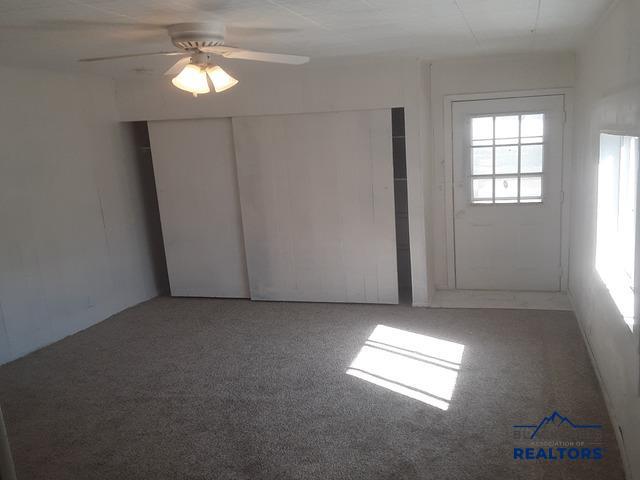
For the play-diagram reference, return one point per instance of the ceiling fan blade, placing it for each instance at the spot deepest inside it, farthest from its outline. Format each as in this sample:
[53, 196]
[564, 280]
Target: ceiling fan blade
[116, 57]
[133, 32]
[239, 53]
[92, 25]
[178, 66]
[66, 25]
[255, 31]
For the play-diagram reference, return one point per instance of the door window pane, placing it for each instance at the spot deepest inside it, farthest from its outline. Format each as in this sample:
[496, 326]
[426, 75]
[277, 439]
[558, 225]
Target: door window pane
[531, 158]
[482, 189]
[507, 159]
[532, 125]
[482, 161]
[507, 188]
[531, 186]
[507, 127]
[482, 128]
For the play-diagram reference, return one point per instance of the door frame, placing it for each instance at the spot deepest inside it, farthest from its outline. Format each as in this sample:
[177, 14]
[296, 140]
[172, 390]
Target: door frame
[567, 148]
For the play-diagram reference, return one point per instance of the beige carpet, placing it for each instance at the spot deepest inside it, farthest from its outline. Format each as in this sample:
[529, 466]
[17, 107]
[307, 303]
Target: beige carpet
[233, 389]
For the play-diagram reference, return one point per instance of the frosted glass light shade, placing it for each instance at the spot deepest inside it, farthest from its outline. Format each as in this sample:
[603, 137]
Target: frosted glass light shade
[221, 80]
[192, 79]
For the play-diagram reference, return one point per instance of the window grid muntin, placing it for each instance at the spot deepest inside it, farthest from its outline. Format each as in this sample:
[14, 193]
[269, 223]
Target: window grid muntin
[494, 142]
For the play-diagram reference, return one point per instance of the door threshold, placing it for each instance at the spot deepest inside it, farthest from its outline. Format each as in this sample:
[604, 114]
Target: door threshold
[501, 299]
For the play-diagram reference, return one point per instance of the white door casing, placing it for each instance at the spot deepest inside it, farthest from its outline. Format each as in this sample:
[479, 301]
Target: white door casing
[508, 246]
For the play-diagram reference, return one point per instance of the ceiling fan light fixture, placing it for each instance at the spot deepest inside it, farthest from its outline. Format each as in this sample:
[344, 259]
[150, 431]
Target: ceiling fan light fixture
[221, 80]
[192, 79]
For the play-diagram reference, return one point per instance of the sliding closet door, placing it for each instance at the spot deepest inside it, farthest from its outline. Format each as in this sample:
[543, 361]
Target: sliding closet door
[317, 206]
[194, 166]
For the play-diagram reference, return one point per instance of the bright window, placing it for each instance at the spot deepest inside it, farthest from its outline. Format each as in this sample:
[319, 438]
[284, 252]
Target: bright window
[616, 222]
[507, 158]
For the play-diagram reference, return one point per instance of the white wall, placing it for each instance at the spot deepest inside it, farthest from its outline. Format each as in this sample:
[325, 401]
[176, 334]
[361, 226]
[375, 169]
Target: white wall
[367, 83]
[479, 75]
[321, 86]
[74, 247]
[607, 97]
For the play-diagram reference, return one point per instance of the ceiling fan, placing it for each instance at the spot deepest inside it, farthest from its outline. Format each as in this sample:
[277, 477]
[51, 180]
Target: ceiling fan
[200, 43]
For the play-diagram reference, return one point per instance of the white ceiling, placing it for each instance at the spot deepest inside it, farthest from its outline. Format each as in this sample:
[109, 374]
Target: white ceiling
[55, 33]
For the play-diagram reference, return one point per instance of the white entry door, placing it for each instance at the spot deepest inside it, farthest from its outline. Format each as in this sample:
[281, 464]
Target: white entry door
[507, 172]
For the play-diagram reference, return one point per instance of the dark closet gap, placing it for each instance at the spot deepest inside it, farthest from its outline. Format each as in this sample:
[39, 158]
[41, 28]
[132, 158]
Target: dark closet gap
[401, 205]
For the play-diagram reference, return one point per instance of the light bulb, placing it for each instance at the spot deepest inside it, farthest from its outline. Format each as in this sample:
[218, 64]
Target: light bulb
[221, 80]
[192, 79]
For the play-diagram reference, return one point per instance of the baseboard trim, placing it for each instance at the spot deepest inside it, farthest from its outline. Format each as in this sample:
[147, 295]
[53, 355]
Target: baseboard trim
[501, 299]
[603, 388]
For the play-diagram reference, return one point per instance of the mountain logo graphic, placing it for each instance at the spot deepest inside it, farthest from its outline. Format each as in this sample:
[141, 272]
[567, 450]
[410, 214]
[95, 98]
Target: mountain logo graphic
[555, 419]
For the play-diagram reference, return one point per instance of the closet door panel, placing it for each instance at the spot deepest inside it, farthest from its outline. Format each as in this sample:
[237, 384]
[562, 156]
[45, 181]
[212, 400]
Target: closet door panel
[196, 181]
[316, 192]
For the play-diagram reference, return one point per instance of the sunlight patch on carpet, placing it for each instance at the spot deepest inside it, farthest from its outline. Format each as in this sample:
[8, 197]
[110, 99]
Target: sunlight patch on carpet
[418, 366]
